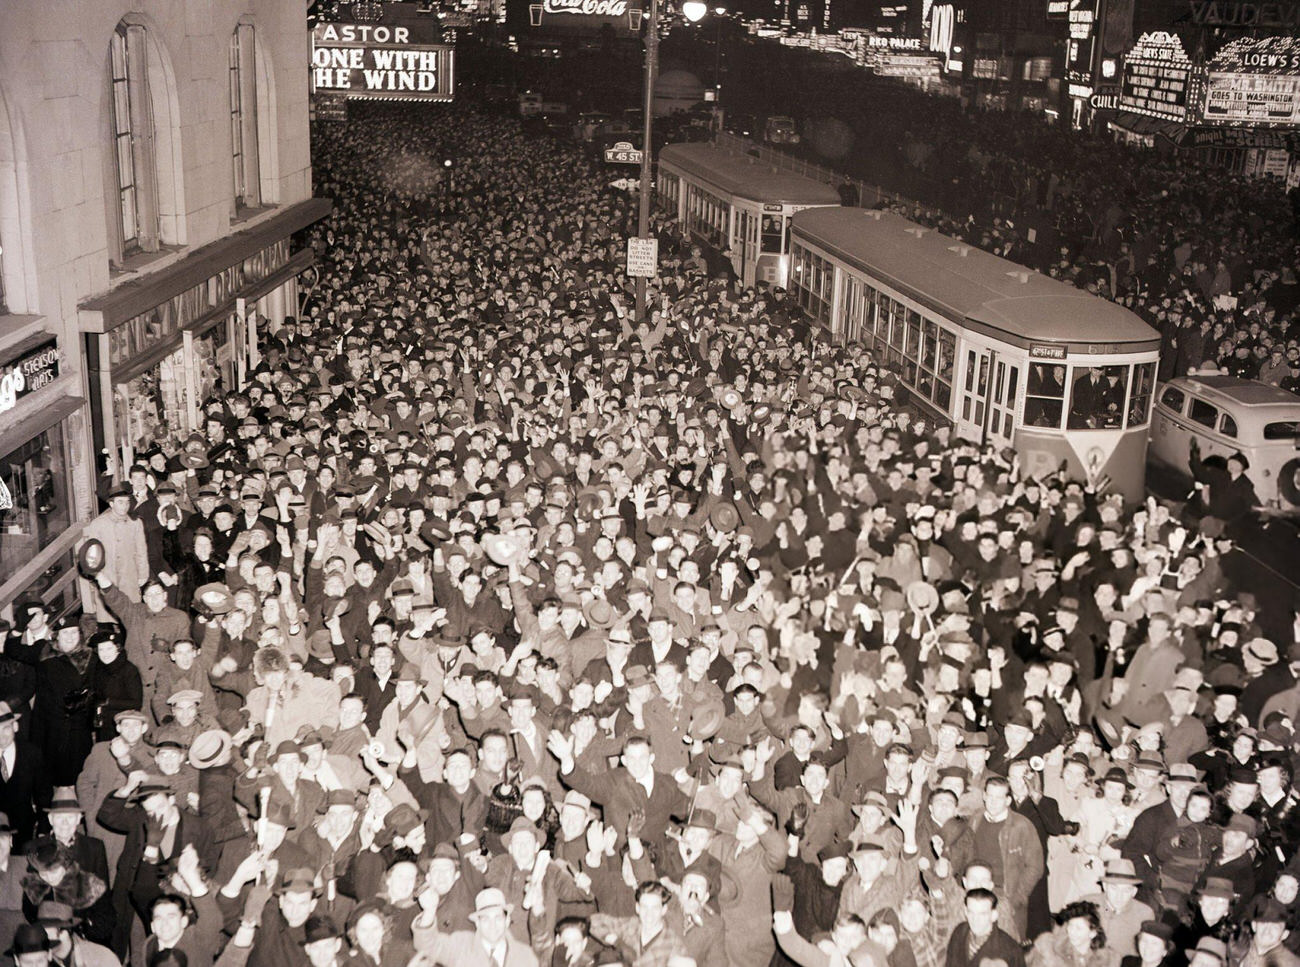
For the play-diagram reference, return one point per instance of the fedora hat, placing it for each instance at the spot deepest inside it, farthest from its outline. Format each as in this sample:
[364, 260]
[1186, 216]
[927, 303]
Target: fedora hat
[703, 819]
[299, 880]
[213, 599]
[520, 825]
[487, 900]
[706, 720]
[91, 557]
[1211, 947]
[1218, 886]
[1121, 871]
[29, 938]
[320, 927]
[599, 613]
[64, 801]
[51, 913]
[210, 748]
[724, 517]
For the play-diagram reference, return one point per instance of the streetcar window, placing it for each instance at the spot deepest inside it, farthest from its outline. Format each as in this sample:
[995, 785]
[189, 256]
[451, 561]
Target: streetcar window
[1097, 397]
[773, 233]
[1173, 398]
[1044, 396]
[1144, 380]
[1203, 413]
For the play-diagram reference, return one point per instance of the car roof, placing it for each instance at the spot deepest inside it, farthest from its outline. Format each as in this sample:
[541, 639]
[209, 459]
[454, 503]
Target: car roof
[1243, 392]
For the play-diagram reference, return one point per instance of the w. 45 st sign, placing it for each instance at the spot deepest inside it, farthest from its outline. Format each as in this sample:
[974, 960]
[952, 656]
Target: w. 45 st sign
[623, 154]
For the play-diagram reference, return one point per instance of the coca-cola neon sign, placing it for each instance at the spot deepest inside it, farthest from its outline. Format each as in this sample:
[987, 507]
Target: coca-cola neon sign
[588, 8]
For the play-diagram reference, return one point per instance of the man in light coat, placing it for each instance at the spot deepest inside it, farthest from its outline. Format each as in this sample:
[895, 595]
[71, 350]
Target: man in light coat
[126, 552]
[490, 944]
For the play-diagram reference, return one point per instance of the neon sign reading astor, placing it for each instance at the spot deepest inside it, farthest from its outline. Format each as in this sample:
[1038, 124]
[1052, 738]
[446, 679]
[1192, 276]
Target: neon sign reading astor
[589, 8]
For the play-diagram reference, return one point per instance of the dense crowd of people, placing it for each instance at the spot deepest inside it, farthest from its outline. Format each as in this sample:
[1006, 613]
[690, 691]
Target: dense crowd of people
[490, 626]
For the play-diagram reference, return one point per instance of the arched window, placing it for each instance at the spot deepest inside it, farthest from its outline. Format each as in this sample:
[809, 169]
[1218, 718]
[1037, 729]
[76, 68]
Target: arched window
[133, 143]
[243, 118]
[252, 122]
[15, 296]
[145, 200]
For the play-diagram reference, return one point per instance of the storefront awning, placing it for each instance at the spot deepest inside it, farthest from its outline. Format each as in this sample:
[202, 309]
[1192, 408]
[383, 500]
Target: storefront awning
[105, 313]
[1147, 126]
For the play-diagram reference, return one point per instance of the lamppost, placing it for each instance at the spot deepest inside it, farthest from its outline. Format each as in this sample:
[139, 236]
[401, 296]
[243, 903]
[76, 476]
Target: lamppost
[692, 10]
[719, 13]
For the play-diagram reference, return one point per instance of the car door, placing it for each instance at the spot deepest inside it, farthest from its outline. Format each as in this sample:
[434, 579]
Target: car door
[1169, 431]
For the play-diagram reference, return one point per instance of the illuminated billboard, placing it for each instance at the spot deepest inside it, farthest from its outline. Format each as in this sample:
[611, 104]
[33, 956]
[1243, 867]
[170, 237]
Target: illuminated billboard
[1156, 75]
[381, 62]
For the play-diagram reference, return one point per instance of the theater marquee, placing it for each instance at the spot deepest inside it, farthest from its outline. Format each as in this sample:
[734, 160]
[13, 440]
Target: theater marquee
[380, 62]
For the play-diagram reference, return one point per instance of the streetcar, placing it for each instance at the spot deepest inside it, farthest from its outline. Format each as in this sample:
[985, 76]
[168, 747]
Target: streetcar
[1007, 355]
[738, 205]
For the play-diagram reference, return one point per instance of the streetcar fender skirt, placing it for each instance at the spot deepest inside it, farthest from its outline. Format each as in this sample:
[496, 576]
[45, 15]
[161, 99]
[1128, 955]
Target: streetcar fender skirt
[1042, 454]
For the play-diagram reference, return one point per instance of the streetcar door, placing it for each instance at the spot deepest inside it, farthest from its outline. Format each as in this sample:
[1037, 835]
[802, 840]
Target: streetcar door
[974, 393]
[1002, 408]
[989, 388]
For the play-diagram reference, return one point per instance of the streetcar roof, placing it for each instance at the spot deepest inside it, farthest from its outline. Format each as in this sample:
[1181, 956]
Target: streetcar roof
[745, 176]
[968, 285]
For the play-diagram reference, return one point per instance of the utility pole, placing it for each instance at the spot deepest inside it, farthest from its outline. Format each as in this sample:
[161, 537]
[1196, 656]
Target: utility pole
[643, 215]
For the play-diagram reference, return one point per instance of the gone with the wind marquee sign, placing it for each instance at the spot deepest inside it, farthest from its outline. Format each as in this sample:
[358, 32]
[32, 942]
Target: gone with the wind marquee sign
[379, 61]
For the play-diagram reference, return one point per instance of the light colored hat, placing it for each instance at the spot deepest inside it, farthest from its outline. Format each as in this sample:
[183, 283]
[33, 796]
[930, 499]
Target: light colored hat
[489, 899]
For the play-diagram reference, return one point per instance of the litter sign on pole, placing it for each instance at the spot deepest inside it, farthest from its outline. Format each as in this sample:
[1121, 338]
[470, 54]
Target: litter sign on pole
[642, 257]
[622, 153]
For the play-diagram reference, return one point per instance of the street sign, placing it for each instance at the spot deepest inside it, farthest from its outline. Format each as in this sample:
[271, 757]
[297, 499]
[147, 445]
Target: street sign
[642, 257]
[623, 154]
[626, 184]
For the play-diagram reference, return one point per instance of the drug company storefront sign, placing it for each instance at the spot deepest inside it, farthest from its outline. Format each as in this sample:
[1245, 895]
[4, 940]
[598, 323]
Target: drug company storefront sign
[156, 346]
[141, 333]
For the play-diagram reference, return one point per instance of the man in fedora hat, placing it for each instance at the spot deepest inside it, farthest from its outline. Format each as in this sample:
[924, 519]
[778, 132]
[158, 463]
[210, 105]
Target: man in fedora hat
[323, 942]
[126, 551]
[282, 926]
[31, 946]
[1122, 913]
[1208, 952]
[102, 774]
[85, 852]
[66, 945]
[22, 775]
[158, 829]
[489, 944]
[533, 883]
[1270, 925]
